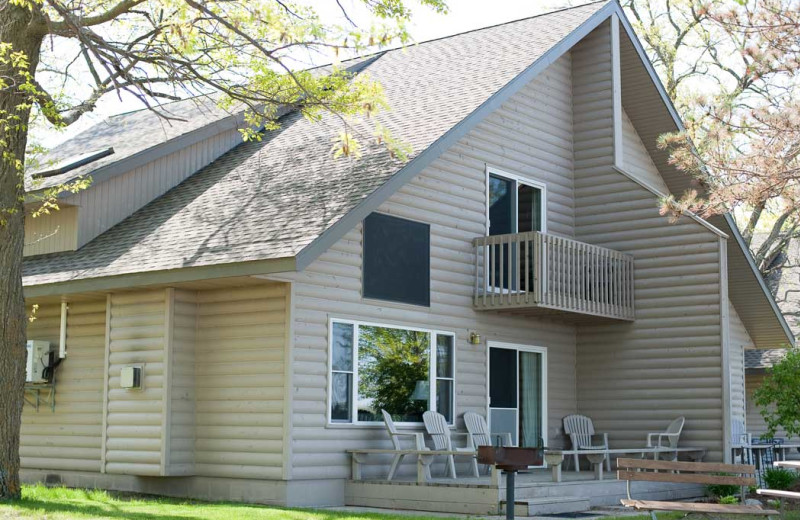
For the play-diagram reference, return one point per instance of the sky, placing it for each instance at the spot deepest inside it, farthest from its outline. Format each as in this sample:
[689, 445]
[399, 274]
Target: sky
[464, 15]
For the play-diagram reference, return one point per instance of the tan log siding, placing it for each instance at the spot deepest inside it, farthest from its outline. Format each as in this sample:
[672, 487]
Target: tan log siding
[109, 202]
[70, 437]
[635, 377]
[182, 369]
[739, 341]
[636, 159]
[135, 431]
[529, 135]
[57, 231]
[239, 385]
[592, 103]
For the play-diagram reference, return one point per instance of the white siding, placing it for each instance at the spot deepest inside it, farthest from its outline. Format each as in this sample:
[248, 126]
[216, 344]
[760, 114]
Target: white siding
[739, 341]
[240, 381]
[181, 437]
[69, 438]
[109, 202]
[634, 378]
[135, 417]
[636, 160]
[51, 233]
[530, 136]
[593, 104]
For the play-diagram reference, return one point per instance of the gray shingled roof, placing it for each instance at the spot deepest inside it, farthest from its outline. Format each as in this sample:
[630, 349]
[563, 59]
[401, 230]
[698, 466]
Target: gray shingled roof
[271, 199]
[129, 133]
[755, 359]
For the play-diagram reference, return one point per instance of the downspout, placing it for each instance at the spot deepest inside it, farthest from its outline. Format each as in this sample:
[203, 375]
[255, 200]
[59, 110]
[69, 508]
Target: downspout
[62, 336]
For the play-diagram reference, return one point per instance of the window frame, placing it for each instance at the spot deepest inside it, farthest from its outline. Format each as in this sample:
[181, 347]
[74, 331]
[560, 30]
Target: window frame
[432, 375]
[517, 179]
[545, 383]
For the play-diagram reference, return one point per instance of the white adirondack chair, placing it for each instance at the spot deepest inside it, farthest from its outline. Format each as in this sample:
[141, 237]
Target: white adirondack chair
[419, 443]
[740, 442]
[479, 434]
[581, 430]
[437, 428]
[671, 435]
[478, 431]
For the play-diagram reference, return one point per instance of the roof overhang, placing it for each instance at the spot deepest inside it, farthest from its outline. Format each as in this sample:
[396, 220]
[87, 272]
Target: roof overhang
[747, 290]
[147, 278]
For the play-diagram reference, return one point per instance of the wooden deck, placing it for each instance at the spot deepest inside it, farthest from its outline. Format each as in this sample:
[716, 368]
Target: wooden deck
[536, 493]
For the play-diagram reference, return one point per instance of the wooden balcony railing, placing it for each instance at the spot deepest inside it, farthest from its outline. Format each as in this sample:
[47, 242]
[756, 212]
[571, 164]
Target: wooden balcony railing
[537, 270]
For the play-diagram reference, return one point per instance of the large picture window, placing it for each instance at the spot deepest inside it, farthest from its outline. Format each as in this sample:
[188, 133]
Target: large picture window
[405, 371]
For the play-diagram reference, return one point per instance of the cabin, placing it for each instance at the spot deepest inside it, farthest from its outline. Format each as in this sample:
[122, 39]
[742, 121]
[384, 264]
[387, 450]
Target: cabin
[228, 318]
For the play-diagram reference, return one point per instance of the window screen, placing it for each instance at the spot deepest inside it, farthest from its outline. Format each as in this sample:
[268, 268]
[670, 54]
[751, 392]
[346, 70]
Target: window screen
[397, 260]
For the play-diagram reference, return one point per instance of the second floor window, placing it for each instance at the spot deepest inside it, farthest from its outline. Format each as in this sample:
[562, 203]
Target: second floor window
[515, 205]
[397, 259]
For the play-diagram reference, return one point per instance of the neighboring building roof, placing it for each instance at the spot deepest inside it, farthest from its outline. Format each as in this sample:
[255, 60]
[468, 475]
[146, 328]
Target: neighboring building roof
[134, 133]
[760, 359]
[271, 199]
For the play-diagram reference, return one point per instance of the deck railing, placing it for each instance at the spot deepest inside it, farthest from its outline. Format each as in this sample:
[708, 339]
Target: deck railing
[534, 269]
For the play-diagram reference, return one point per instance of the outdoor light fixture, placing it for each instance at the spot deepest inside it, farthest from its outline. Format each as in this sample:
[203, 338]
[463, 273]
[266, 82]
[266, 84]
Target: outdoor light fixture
[474, 338]
[421, 391]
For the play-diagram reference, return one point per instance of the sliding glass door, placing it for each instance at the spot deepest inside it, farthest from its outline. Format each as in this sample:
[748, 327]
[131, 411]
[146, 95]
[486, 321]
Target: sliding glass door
[515, 206]
[518, 393]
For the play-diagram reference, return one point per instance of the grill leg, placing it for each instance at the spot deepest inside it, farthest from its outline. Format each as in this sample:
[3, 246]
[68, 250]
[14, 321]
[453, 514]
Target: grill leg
[510, 494]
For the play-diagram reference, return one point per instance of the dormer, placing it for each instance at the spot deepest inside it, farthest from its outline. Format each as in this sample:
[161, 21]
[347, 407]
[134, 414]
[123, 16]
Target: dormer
[131, 159]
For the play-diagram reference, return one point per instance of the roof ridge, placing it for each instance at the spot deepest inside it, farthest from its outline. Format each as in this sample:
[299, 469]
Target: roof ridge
[509, 22]
[380, 52]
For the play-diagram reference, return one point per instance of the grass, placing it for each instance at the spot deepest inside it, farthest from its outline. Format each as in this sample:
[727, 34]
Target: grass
[57, 503]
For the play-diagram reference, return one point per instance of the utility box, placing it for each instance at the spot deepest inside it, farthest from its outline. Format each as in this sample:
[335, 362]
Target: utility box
[38, 360]
[130, 378]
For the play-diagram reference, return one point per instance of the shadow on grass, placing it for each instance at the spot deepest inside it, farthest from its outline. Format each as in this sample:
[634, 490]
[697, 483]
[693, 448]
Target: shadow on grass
[118, 507]
[106, 510]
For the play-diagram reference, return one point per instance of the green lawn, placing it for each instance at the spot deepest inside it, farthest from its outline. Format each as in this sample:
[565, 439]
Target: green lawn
[43, 503]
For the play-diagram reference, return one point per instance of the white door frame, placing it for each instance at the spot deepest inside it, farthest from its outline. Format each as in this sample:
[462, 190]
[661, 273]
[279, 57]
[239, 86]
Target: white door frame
[519, 348]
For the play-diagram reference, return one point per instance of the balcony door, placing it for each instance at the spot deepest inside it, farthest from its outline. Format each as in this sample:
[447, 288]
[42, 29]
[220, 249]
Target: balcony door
[518, 393]
[515, 205]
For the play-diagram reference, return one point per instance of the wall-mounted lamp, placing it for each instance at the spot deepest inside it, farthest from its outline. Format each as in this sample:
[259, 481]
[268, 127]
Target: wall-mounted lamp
[474, 338]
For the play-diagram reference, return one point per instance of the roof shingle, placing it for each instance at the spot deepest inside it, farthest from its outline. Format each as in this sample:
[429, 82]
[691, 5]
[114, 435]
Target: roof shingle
[271, 199]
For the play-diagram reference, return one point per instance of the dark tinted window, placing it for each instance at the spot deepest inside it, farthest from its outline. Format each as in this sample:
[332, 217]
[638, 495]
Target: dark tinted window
[502, 378]
[397, 260]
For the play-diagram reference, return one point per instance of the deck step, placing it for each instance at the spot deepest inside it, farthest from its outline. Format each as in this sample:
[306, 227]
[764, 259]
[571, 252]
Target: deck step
[548, 506]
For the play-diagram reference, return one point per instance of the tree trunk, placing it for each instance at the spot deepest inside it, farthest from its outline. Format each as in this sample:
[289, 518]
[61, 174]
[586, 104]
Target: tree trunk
[14, 30]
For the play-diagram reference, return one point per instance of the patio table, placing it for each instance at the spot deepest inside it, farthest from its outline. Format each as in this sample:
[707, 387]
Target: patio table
[748, 450]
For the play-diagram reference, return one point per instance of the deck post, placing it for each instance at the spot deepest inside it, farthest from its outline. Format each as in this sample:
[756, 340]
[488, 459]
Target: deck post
[554, 459]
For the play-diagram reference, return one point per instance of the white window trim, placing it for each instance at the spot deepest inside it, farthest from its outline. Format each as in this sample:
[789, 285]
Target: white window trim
[520, 348]
[354, 422]
[491, 170]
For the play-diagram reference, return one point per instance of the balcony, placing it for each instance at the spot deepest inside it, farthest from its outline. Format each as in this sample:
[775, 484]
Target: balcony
[536, 273]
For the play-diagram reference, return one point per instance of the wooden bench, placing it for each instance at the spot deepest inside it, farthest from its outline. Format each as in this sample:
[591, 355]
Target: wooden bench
[741, 475]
